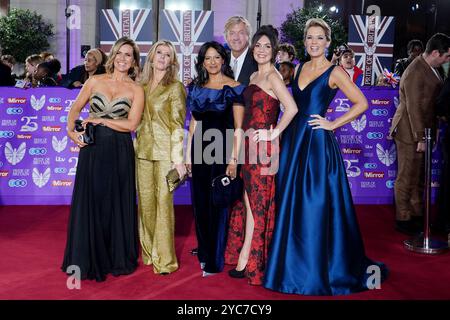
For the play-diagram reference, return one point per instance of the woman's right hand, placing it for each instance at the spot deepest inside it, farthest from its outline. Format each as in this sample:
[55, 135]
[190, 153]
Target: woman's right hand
[75, 137]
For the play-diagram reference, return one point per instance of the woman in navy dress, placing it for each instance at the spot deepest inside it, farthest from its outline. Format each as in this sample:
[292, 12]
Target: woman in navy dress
[317, 247]
[214, 101]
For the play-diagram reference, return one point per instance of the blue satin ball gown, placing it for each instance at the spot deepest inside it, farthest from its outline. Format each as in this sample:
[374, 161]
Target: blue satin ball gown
[316, 247]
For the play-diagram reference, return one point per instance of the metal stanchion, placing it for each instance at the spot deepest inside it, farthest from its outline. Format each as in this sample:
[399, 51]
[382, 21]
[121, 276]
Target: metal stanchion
[424, 243]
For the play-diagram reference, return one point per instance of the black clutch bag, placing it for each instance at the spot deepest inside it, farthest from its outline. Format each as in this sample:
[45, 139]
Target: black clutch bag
[174, 180]
[89, 132]
[226, 191]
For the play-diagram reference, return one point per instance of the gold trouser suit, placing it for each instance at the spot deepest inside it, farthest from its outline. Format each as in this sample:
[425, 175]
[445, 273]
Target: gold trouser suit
[159, 144]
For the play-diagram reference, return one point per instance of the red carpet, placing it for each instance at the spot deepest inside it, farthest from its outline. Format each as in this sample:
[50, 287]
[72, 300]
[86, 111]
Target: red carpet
[32, 240]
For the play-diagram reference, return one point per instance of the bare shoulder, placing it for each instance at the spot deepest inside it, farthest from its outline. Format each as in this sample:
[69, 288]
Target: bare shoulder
[274, 76]
[339, 72]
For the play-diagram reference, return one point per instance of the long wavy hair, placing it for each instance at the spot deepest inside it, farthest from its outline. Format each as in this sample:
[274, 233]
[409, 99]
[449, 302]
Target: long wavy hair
[172, 70]
[202, 74]
[133, 72]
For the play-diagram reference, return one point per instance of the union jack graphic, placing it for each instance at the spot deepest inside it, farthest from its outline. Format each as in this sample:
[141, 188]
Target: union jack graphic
[187, 30]
[372, 40]
[135, 24]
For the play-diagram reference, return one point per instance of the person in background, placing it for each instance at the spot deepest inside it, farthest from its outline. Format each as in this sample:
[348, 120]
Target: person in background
[237, 34]
[93, 64]
[6, 79]
[286, 52]
[47, 56]
[31, 63]
[346, 59]
[42, 76]
[419, 87]
[287, 69]
[11, 62]
[414, 49]
[159, 148]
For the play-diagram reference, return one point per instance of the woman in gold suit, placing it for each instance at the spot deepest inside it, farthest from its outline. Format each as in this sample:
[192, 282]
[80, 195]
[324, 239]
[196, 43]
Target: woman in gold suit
[159, 148]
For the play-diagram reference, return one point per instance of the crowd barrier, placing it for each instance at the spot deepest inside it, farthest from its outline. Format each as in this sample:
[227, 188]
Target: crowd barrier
[38, 162]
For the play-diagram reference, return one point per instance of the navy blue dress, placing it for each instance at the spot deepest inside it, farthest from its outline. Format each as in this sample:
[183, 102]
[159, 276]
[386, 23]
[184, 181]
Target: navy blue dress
[316, 247]
[213, 111]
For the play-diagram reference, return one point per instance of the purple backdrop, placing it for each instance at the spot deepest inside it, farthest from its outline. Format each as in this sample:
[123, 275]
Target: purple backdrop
[38, 161]
[369, 155]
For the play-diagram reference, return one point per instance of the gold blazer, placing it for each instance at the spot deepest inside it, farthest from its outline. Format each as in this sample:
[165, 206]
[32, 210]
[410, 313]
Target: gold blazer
[161, 131]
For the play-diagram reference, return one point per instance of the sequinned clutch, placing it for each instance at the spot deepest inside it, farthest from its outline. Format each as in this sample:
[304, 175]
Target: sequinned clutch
[174, 180]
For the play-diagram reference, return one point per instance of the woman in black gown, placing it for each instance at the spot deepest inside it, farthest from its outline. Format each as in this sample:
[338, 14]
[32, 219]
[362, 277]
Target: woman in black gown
[213, 100]
[102, 233]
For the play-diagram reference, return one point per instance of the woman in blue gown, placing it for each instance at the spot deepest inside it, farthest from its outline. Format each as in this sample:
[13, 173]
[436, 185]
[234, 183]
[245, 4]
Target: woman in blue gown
[215, 102]
[317, 247]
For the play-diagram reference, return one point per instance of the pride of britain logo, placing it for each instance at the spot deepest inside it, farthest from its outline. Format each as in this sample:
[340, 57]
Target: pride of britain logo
[15, 155]
[37, 104]
[41, 179]
[59, 145]
[359, 124]
[386, 156]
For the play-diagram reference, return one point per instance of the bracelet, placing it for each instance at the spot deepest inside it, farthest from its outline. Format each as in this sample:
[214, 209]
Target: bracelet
[233, 159]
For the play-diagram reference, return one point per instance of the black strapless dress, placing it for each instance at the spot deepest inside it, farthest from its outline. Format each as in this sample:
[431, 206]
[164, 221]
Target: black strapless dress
[102, 233]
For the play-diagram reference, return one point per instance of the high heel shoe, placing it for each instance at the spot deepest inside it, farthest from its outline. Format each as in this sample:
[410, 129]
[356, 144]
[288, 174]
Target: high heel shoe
[237, 274]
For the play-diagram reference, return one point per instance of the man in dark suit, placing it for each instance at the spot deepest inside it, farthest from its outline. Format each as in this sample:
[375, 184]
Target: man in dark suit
[237, 34]
[419, 87]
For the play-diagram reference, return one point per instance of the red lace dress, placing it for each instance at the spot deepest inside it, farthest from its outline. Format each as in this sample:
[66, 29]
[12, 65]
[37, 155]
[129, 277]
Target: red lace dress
[258, 173]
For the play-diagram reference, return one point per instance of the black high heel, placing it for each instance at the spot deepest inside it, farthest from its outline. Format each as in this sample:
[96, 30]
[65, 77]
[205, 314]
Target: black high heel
[237, 274]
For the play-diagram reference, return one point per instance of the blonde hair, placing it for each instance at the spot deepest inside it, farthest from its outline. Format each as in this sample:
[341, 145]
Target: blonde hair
[236, 20]
[97, 55]
[172, 70]
[34, 59]
[134, 70]
[317, 22]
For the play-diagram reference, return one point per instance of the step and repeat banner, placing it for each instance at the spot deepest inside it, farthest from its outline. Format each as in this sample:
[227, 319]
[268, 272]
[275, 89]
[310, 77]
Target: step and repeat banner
[369, 154]
[38, 162]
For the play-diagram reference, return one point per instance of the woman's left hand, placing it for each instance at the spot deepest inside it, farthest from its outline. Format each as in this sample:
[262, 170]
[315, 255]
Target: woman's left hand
[320, 123]
[231, 171]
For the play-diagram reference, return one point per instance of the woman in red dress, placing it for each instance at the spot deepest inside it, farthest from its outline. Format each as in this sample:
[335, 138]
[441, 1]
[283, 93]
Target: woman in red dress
[252, 220]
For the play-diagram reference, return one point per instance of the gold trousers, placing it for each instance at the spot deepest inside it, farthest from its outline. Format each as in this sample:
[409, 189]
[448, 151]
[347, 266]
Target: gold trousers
[156, 215]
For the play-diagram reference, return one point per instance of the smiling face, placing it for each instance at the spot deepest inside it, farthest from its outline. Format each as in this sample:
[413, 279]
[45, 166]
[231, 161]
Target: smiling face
[262, 51]
[237, 38]
[124, 59]
[162, 58]
[213, 61]
[316, 41]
